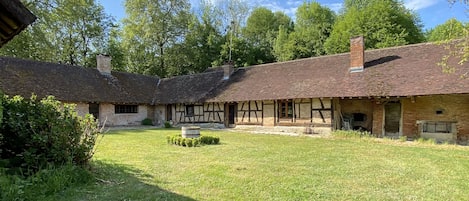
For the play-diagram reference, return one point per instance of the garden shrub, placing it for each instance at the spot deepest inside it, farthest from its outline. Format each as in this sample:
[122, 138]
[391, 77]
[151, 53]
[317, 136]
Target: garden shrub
[167, 124]
[191, 142]
[41, 133]
[147, 122]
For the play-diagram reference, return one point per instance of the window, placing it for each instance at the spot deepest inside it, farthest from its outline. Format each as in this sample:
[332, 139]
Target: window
[123, 109]
[285, 109]
[189, 110]
[437, 127]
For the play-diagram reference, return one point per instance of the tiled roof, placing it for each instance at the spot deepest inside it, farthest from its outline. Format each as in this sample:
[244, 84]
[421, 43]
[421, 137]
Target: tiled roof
[14, 17]
[72, 83]
[188, 88]
[400, 71]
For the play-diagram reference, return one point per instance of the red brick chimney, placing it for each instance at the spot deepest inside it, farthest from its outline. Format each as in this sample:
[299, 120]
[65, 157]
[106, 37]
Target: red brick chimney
[104, 63]
[357, 54]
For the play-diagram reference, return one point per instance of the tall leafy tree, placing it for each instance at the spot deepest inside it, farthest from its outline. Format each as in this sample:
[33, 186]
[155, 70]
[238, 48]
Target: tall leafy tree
[383, 23]
[282, 48]
[67, 31]
[261, 29]
[233, 15]
[203, 40]
[451, 29]
[150, 28]
[313, 26]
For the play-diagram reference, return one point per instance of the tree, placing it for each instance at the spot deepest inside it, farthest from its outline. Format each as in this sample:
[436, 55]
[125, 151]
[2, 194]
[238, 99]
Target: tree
[313, 26]
[261, 30]
[383, 23]
[233, 15]
[67, 31]
[451, 29]
[150, 28]
[115, 50]
[282, 46]
[203, 41]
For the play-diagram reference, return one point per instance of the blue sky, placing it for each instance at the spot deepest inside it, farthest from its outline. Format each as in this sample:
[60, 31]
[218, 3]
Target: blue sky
[431, 12]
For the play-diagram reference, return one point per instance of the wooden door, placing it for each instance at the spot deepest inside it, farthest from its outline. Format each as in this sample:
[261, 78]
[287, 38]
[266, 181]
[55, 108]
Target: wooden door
[392, 119]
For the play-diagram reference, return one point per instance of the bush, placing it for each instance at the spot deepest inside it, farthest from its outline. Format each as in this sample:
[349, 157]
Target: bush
[36, 134]
[191, 142]
[147, 122]
[167, 124]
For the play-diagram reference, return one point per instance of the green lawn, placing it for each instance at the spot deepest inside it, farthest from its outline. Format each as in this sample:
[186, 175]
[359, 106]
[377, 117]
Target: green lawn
[140, 165]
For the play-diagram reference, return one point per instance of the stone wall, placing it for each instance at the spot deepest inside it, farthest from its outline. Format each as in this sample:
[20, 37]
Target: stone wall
[107, 113]
[82, 109]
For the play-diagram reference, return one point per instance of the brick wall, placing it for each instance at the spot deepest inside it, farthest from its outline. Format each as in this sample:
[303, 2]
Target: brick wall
[452, 107]
[378, 117]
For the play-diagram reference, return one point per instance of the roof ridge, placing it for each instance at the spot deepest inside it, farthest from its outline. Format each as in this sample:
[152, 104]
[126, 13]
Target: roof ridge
[195, 74]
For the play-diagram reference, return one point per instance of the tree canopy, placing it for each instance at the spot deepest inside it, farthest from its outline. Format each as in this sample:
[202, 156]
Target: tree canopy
[451, 29]
[172, 37]
[383, 23]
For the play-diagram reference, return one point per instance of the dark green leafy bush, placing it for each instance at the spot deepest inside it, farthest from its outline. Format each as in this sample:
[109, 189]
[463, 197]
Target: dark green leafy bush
[147, 122]
[43, 133]
[167, 124]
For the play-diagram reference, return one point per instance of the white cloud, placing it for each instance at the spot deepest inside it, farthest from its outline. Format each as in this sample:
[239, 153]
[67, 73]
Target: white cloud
[335, 6]
[419, 4]
[294, 3]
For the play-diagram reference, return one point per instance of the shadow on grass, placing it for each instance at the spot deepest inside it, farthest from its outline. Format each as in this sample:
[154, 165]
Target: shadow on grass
[119, 182]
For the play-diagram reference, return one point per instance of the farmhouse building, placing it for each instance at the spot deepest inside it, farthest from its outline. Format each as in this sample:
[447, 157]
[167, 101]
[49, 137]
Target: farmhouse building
[391, 92]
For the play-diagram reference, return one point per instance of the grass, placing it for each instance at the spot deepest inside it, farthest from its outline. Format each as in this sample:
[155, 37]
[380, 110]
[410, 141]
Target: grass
[140, 165]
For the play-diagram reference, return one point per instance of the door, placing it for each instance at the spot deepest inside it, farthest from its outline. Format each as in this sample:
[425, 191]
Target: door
[93, 108]
[392, 119]
[169, 112]
[231, 115]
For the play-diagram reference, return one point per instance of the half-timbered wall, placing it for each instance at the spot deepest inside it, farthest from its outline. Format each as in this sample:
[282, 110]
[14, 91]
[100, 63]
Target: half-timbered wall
[250, 113]
[203, 113]
[314, 112]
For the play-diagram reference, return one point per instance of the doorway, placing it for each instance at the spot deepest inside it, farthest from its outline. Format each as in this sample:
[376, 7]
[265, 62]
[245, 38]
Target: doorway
[392, 119]
[169, 112]
[230, 114]
[93, 108]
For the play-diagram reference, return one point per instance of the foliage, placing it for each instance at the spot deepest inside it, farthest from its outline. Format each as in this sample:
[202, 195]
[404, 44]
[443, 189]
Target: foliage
[313, 26]
[167, 124]
[147, 122]
[204, 139]
[383, 24]
[44, 183]
[150, 28]
[180, 141]
[192, 142]
[41, 133]
[451, 29]
[66, 31]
